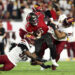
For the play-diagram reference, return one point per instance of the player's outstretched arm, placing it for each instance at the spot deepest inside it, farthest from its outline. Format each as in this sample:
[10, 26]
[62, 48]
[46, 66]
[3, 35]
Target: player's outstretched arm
[33, 56]
[59, 34]
[30, 55]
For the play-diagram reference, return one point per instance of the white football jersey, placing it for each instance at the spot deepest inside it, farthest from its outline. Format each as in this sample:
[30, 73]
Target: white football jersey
[60, 20]
[15, 55]
[68, 31]
[54, 35]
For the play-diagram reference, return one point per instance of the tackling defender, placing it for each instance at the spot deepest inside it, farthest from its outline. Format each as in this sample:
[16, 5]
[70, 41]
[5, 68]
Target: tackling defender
[60, 38]
[19, 52]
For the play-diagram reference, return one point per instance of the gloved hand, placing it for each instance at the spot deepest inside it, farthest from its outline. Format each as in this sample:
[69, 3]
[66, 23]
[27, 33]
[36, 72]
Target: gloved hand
[51, 25]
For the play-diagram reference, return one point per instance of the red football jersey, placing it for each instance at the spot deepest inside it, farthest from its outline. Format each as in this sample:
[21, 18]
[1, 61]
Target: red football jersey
[41, 24]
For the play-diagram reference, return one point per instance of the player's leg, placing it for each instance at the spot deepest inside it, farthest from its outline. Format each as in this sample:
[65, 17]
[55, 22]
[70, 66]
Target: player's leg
[51, 46]
[2, 61]
[40, 55]
[59, 48]
[73, 49]
[43, 48]
[38, 45]
[68, 47]
[7, 65]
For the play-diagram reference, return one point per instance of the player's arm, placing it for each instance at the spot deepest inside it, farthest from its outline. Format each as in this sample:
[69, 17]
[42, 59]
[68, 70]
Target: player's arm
[30, 55]
[59, 34]
[25, 50]
[33, 56]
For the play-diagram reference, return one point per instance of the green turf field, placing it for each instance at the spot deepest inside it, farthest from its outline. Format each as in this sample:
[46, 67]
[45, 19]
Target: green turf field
[24, 68]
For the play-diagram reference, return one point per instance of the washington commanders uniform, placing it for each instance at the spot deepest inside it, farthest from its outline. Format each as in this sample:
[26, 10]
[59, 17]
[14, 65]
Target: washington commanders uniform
[60, 43]
[10, 60]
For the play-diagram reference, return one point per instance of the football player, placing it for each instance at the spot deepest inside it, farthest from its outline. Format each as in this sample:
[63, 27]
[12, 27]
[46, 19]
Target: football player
[18, 53]
[36, 24]
[60, 38]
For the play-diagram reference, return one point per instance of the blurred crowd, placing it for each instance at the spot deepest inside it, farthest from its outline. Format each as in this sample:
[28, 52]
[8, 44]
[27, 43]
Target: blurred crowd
[13, 9]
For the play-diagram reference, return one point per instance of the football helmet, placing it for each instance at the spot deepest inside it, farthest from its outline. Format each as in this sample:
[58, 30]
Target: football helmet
[68, 21]
[32, 18]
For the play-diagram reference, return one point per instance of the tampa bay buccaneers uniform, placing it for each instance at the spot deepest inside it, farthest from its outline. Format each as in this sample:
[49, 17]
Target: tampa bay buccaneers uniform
[35, 25]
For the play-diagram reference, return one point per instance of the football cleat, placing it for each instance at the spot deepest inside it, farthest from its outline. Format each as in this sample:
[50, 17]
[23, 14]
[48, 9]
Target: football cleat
[54, 63]
[45, 67]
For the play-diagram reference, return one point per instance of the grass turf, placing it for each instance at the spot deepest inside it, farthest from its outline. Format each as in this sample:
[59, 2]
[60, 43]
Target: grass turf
[24, 68]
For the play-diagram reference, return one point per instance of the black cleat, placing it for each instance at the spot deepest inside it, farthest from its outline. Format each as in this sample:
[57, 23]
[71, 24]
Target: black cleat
[46, 66]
